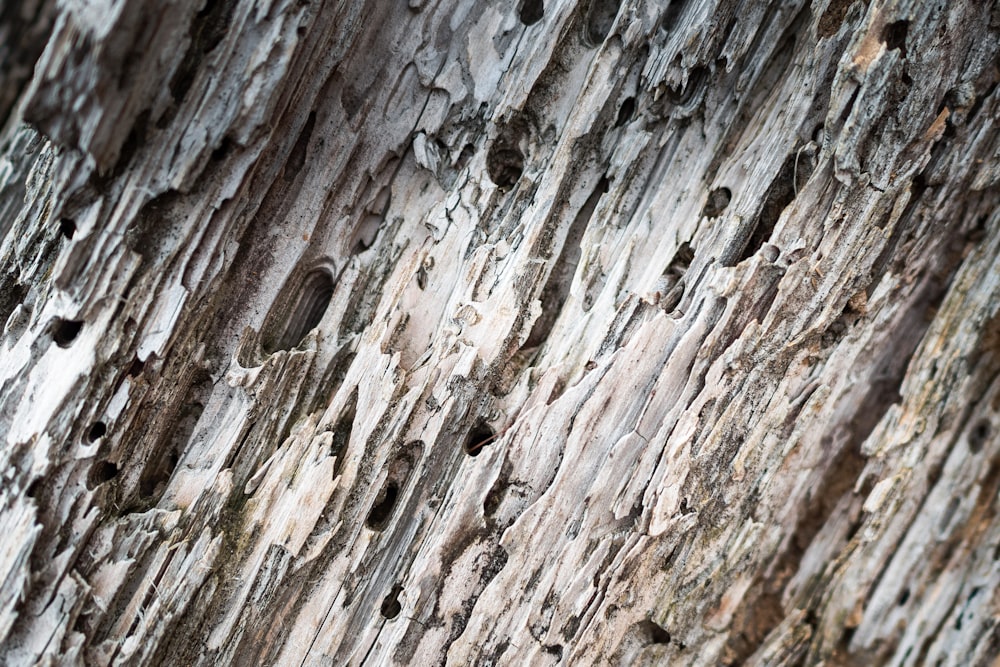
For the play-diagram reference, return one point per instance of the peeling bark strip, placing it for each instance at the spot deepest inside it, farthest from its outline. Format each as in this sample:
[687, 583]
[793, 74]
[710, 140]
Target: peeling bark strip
[563, 332]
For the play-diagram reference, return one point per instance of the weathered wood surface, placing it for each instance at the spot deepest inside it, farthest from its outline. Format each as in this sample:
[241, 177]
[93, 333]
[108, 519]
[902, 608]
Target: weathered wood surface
[660, 333]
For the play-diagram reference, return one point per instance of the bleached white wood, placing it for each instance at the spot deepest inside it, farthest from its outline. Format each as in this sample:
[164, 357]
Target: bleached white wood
[659, 333]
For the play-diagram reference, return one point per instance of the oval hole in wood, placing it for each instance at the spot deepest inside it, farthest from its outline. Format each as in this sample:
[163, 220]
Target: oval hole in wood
[382, 510]
[505, 164]
[653, 633]
[625, 112]
[505, 159]
[101, 472]
[97, 431]
[136, 368]
[390, 605]
[531, 11]
[480, 436]
[64, 332]
[12, 295]
[394, 486]
[717, 202]
[310, 305]
[979, 434]
[601, 15]
[687, 97]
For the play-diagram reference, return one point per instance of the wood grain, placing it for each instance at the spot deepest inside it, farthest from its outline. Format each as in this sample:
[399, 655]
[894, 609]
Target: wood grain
[565, 332]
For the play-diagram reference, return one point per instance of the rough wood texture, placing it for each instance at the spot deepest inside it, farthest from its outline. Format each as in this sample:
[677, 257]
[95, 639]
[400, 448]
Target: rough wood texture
[466, 332]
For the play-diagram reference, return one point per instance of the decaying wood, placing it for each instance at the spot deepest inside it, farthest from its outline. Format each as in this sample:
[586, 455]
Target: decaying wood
[465, 332]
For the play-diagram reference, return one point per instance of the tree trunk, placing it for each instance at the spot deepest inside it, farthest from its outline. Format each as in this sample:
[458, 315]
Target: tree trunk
[568, 332]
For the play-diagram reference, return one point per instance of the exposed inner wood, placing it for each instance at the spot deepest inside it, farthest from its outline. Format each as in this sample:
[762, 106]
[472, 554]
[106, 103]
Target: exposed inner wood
[463, 332]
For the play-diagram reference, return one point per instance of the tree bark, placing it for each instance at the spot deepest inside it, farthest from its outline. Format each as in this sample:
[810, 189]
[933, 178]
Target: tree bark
[566, 332]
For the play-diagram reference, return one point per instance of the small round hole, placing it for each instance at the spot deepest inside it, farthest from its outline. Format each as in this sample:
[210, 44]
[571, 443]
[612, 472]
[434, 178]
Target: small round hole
[505, 157]
[64, 332]
[505, 164]
[654, 633]
[390, 605]
[97, 431]
[480, 436]
[718, 202]
[979, 434]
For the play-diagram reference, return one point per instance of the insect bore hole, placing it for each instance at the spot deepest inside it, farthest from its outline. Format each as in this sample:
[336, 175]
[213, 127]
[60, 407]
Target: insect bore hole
[480, 436]
[688, 94]
[505, 164]
[654, 633]
[101, 472]
[67, 227]
[64, 332]
[718, 201]
[531, 11]
[97, 431]
[390, 605]
[894, 36]
[625, 112]
[297, 313]
[601, 15]
[382, 510]
[979, 434]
